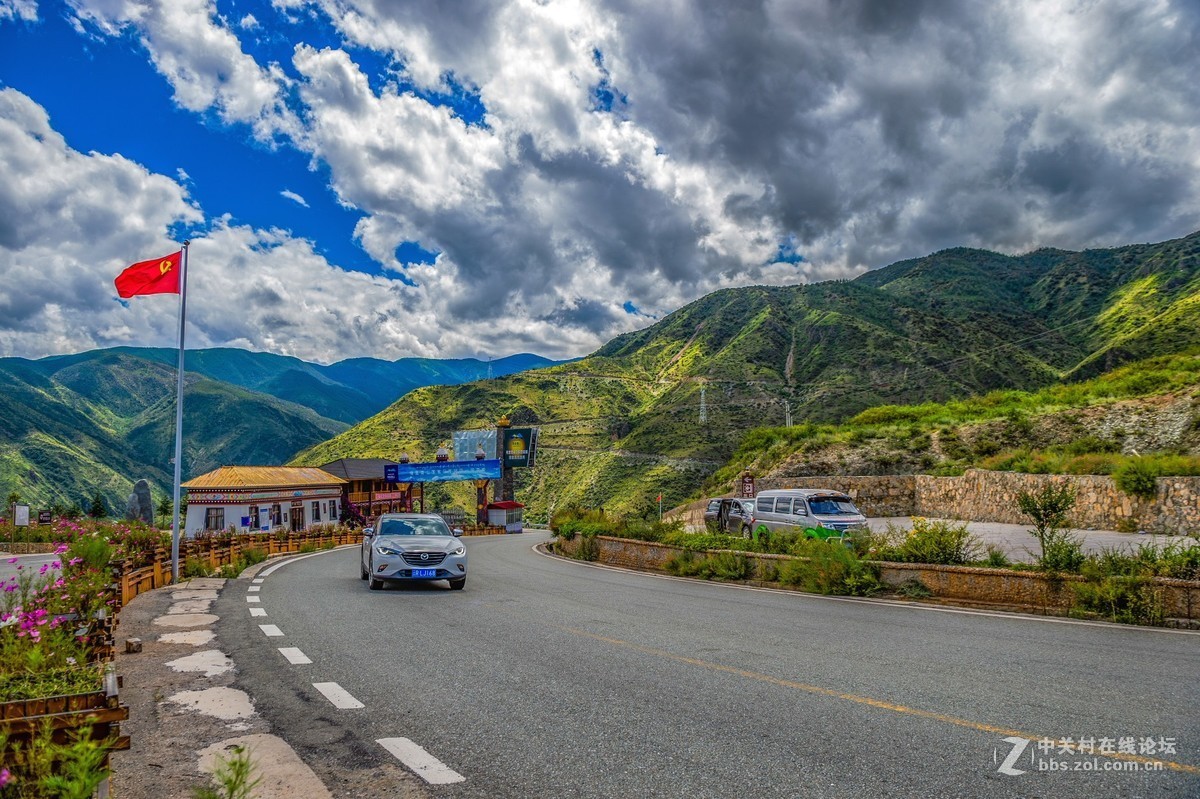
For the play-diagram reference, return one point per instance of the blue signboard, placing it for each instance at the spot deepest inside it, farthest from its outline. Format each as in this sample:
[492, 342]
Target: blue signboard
[448, 471]
[389, 473]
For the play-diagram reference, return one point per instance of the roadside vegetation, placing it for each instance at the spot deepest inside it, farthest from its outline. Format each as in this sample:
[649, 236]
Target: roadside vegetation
[1114, 585]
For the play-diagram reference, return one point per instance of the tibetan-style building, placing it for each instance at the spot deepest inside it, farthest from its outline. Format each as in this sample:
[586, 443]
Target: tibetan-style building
[262, 498]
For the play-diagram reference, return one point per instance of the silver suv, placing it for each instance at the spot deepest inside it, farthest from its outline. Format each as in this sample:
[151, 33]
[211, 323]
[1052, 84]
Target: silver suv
[404, 547]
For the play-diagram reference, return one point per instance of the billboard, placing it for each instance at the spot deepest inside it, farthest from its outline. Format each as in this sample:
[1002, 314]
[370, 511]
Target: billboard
[520, 446]
[449, 471]
[467, 444]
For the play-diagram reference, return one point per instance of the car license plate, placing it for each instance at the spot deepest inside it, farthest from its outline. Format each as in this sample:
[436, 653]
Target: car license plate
[424, 572]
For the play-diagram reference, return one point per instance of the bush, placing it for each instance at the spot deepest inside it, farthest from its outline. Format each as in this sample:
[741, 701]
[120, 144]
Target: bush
[1138, 477]
[996, 558]
[1131, 600]
[1062, 552]
[938, 542]
[828, 568]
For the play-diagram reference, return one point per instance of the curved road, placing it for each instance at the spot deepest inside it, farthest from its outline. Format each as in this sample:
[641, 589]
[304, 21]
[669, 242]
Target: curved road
[554, 678]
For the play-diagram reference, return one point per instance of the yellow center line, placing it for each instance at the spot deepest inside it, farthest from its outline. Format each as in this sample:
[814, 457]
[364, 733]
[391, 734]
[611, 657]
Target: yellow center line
[863, 700]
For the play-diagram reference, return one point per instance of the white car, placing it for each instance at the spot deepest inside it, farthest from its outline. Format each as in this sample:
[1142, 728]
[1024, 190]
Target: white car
[404, 547]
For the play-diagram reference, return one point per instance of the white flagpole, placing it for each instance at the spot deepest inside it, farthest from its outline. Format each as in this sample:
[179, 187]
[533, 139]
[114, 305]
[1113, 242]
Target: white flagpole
[175, 527]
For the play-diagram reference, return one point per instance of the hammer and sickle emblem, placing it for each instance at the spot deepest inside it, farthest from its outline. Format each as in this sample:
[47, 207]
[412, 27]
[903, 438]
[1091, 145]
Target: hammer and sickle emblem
[164, 267]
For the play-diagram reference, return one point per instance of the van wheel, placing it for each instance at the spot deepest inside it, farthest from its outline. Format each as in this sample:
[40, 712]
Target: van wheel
[746, 531]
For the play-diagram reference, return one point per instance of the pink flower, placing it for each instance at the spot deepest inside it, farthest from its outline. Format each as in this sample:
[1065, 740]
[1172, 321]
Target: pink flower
[11, 560]
[5, 777]
[61, 549]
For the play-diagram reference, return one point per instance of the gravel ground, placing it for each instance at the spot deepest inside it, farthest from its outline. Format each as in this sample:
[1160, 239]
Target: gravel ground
[1017, 542]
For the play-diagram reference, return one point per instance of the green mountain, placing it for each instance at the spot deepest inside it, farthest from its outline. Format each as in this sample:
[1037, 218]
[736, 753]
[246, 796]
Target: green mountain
[348, 391]
[625, 423]
[73, 427]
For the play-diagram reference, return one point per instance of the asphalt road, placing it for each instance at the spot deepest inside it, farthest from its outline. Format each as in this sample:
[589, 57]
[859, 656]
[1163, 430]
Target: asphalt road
[552, 678]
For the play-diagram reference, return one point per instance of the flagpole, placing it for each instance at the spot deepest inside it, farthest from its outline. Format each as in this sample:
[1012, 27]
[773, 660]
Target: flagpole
[175, 528]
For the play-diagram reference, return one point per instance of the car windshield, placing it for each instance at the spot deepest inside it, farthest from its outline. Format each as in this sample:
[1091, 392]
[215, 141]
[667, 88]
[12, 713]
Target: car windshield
[412, 527]
[832, 506]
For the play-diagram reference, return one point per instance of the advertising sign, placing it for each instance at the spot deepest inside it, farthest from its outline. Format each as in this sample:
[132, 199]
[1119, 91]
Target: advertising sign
[390, 472]
[21, 515]
[520, 447]
[449, 471]
[467, 444]
[45, 517]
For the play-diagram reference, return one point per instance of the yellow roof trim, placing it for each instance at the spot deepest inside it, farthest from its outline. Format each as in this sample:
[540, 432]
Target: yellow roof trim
[263, 477]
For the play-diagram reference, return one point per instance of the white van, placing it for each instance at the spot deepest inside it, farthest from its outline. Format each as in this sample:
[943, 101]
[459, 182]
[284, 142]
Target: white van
[820, 513]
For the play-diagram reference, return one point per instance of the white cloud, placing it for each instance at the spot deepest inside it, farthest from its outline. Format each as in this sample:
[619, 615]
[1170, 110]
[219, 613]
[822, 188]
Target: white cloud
[202, 59]
[19, 9]
[858, 133]
[294, 197]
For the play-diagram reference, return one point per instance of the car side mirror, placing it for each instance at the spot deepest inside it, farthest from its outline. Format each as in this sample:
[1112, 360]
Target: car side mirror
[456, 532]
[368, 532]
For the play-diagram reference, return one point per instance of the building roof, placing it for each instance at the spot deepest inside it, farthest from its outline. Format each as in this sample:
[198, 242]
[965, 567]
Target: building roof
[263, 477]
[358, 468]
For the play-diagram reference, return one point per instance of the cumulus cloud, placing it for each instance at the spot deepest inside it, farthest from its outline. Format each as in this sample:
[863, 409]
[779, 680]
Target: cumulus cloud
[644, 154]
[202, 58]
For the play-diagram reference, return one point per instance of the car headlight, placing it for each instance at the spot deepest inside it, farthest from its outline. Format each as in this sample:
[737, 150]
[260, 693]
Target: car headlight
[386, 550]
[460, 551]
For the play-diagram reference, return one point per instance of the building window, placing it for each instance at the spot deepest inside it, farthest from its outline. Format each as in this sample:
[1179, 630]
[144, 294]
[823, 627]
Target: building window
[214, 519]
[253, 517]
[333, 510]
[276, 516]
[316, 512]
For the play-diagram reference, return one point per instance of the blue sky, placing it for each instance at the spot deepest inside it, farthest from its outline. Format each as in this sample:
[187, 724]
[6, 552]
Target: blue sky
[492, 176]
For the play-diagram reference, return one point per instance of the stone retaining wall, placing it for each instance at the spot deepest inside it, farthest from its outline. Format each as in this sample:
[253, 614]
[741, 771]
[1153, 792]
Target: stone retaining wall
[1026, 590]
[986, 496]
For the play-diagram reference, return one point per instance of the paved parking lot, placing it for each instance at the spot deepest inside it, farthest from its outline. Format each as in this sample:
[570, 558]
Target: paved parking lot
[1019, 544]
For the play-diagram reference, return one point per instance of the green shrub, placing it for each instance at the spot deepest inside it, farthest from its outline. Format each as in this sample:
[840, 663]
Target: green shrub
[1138, 477]
[828, 568]
[729, 566]
[939, 542]
[996, 558]
[1062, 552]
[1131, 600]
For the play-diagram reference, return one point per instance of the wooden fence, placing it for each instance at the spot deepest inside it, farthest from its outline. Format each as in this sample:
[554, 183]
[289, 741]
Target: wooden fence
[215, 552]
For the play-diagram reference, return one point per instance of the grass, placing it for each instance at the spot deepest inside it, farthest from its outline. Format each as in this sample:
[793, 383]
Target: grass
[912, 433]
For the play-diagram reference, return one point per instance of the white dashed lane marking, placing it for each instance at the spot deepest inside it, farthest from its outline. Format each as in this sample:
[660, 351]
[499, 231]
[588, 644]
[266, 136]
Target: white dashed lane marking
[425, 765]
[254, 588]
[254, 599]
[258, 611]
[338, 695]
[270, 630]
[294, 655]
[257, 581]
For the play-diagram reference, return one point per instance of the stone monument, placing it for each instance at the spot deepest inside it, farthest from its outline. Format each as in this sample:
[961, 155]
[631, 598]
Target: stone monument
[139, 506]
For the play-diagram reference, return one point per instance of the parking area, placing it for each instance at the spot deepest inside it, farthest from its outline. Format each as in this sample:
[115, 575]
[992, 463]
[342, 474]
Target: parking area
[1019, 545]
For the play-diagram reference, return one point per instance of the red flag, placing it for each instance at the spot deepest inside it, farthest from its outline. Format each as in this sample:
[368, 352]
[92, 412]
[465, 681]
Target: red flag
[158, 276]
